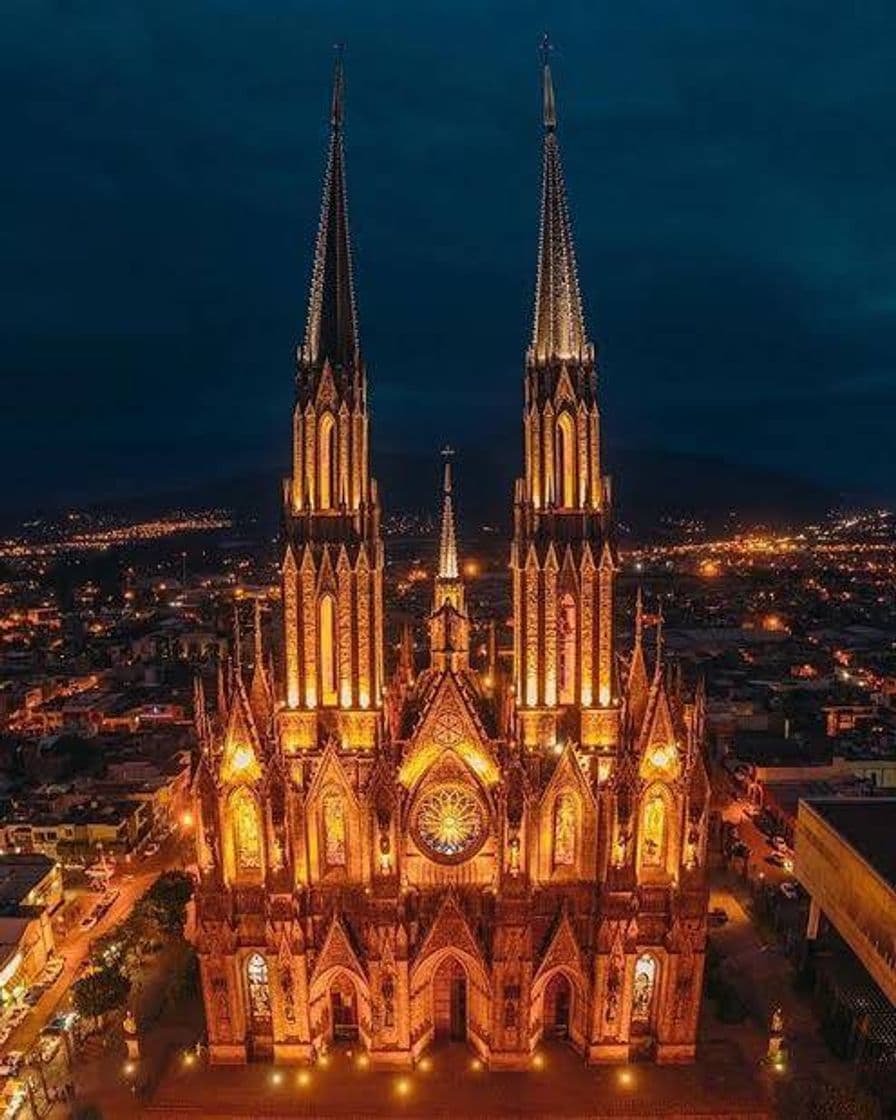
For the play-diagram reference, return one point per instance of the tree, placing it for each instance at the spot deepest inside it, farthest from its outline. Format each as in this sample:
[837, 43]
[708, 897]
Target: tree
[165, 903]
[100, 992]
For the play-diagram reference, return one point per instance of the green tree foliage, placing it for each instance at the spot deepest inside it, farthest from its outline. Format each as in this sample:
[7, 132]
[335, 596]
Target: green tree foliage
[99, 992]
[165, 903]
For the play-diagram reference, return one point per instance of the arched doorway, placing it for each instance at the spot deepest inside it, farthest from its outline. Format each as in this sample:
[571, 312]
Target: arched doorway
[449, 1001]
[344, 1010]
[557, 1006]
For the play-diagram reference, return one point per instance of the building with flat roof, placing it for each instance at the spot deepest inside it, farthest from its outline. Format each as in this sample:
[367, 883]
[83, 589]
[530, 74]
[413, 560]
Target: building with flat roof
[846, 860]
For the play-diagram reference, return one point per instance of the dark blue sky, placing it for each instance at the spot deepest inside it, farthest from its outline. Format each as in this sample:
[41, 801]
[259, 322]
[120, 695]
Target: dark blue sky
[730, 169]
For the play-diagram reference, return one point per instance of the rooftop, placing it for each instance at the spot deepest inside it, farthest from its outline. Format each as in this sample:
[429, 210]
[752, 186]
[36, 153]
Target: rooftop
[868, 825]
[20, 874]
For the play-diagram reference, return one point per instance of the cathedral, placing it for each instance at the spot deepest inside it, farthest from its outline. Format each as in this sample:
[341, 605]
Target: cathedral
[394, 855]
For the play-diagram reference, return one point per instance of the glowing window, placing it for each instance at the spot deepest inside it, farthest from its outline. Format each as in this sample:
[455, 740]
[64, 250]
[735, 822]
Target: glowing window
[566, 642]
[334, 830]
[246, 833]
[644, 986]
[326, 473]
[565, 831]
[328, 650]
[654, 838]
[450, 823]
[259, 990]
[566, 461]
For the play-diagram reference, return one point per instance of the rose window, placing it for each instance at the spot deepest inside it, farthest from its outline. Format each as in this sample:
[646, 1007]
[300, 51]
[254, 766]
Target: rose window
[449, 823]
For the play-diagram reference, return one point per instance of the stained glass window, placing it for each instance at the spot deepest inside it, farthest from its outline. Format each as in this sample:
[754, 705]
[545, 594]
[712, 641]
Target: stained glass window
[450, 822]
[247, 832]
[654, 839]
[334, 830]
[645, 982]
[259, 991]
[564, 831]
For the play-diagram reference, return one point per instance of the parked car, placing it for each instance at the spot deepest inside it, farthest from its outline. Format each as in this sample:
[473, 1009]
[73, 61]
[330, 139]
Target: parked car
[789, 889]
[779, 844]
[718, 916]
[32, 996]
[18, 1016]
[775, 859]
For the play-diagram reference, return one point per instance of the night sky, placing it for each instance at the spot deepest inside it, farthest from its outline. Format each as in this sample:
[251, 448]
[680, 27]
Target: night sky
[730, 169]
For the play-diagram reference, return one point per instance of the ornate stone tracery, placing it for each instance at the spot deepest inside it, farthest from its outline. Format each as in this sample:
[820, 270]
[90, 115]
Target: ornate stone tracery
[489, 852]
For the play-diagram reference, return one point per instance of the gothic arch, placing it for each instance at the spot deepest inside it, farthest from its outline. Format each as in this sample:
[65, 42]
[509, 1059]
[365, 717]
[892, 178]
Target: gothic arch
[327, 461]
[478, 995]
[567, 456]
[578, 1011]
[244, 847]
[320, 1001]
[657, 856]
[328, 649]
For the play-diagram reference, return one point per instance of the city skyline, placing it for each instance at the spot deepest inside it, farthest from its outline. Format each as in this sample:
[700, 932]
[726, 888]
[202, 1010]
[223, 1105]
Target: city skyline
[160, 249]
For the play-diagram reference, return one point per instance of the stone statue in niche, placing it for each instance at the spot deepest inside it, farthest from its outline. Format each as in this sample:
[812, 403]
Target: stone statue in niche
[614, 987]
[388, 990]
[289, 1010]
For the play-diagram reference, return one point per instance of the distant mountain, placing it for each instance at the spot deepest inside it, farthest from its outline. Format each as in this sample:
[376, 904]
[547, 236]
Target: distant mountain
[649, 487]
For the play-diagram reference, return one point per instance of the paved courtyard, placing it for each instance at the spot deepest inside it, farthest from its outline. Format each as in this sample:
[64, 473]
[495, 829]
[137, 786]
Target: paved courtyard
[453, 1084]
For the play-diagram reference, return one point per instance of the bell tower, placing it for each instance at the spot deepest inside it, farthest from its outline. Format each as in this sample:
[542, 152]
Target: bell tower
[333, 564]
[563, 560]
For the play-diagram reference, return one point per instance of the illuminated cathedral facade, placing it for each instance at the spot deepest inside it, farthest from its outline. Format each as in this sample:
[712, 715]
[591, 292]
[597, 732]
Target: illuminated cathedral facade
[494, 855]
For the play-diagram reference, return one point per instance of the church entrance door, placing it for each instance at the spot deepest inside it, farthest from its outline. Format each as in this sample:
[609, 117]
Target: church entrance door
[557, 1005]
[344, 1009]
[449, 997]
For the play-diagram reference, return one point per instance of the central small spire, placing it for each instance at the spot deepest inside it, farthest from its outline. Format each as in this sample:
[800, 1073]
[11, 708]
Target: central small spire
[447, 538]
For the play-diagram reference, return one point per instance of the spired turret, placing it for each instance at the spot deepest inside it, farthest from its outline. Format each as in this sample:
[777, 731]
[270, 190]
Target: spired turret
[333, 564]
[563, 558]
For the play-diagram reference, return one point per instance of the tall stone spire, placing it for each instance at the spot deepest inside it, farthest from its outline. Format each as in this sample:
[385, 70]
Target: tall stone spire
[331, 333]
[447, 538]
[559, 330]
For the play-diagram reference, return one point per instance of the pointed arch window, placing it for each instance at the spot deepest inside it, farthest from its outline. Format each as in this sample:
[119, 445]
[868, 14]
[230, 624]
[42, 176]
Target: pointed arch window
[328, 651]
[565, 828]
[259, 990]
[327, 461]
[334, 831]
[655, 831]
[247, 836]
[566, 649]
[644, 988]
[567, 474]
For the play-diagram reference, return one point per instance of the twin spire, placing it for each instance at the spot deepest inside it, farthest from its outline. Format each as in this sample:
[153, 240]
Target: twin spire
[332, 328]
[559, 330]
[331, 333]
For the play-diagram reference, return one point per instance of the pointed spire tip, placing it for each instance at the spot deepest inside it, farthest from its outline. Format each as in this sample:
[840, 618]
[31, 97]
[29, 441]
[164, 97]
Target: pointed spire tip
[336, 109]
